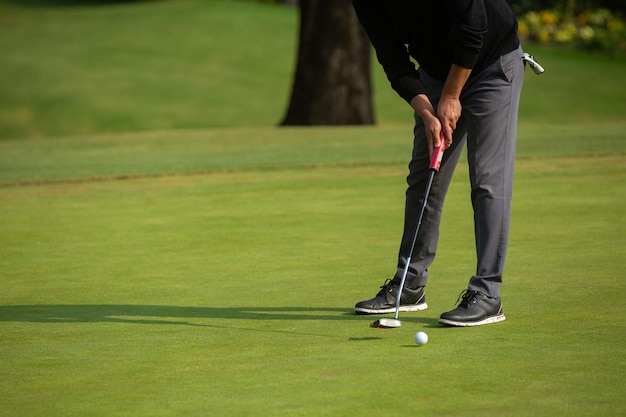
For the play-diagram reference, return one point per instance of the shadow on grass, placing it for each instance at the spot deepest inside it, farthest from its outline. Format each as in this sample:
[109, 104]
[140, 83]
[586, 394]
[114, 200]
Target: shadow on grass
[158, 314]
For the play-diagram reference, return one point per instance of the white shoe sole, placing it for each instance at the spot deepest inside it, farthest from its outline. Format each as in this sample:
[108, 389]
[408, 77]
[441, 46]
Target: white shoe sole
[488, 320]
[405, 308]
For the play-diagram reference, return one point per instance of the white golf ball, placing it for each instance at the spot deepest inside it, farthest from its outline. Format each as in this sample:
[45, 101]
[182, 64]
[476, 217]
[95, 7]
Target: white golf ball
[421, 338]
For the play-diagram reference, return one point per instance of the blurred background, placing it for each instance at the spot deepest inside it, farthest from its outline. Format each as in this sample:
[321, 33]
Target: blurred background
[76, 67]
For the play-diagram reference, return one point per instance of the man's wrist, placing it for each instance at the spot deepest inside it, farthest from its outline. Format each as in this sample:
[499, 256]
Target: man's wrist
[422, 106]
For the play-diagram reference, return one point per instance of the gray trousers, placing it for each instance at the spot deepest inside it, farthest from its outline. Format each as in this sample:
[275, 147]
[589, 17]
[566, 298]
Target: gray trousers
[488, 125]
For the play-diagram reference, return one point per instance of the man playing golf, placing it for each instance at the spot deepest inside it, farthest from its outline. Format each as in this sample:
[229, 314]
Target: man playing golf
[466, 89]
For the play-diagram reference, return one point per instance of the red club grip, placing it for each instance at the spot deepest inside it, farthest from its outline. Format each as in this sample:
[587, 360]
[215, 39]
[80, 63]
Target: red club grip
[435, 163]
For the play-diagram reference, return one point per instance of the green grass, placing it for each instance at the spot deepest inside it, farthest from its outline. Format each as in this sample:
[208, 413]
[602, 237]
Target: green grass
[143, 66]
[230, 293]
[208, 265]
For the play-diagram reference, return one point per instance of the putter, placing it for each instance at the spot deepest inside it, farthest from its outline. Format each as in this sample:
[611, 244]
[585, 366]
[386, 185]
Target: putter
[435, 163]
[532, 63]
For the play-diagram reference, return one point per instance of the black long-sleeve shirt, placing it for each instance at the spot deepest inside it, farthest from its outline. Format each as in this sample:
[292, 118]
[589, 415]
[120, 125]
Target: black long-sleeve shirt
[437, 34]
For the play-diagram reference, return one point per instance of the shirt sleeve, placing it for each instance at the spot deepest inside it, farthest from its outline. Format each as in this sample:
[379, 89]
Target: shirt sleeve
[465, 23]
[392, 54]
[470, 26]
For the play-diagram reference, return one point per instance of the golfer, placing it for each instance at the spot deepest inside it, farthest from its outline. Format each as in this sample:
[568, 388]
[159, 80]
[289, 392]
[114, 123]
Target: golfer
[467, 88]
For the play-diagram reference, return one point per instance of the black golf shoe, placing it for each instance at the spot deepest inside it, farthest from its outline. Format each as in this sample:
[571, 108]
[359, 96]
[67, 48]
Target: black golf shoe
[475, 309]
[385, 300]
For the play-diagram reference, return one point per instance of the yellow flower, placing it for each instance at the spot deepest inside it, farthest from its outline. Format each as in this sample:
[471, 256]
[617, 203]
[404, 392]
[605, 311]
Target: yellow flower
[544, 36]
[586, 33]
[563, 36]
[599, 16]
[533, 18]
[548, 17]
[522, 28]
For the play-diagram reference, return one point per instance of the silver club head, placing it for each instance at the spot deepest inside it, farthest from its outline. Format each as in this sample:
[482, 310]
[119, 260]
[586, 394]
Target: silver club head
[532, 62]
[386, 324]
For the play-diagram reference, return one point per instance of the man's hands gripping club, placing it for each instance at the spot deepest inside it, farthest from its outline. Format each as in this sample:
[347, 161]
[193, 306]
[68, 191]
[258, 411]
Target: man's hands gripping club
[442, 122]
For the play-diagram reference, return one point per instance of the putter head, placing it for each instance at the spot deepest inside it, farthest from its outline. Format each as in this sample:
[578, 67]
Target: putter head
[386, 324]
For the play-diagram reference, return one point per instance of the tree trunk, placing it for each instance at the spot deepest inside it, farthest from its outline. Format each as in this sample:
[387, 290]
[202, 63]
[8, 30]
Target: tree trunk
[332, 84]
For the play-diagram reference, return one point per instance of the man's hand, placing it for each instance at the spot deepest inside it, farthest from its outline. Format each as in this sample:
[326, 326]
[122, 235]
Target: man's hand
[448, 112]
[432, 126]
[449, 107]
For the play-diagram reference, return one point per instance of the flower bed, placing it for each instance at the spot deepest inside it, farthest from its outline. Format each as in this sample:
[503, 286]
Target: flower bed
[592, 29]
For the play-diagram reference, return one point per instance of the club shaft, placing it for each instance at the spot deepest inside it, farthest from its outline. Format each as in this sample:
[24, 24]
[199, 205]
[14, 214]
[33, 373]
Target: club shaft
[431, 175]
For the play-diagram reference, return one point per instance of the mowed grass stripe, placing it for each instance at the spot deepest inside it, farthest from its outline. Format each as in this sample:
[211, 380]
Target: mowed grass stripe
[110, 156]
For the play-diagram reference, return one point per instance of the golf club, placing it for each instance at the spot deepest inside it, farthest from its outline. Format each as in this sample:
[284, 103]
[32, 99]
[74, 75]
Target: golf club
[435, 163]
[532, 62]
